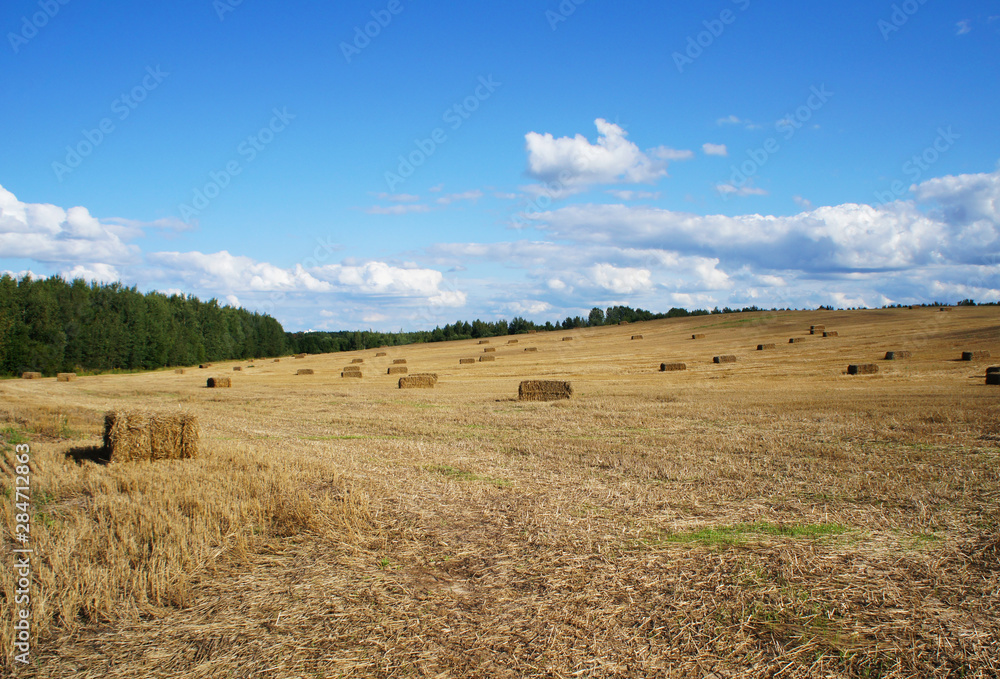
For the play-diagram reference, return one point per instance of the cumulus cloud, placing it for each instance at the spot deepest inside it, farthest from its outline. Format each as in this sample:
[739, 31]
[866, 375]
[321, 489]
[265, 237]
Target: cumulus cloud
[727, 190]
[224, 272]
[103, 273]
[715, 149]
[575, 162]
[621, 280]
[635, 195]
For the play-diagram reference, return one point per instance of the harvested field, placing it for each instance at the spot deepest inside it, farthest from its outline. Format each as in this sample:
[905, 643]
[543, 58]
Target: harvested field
[544, 390]
[772, 518]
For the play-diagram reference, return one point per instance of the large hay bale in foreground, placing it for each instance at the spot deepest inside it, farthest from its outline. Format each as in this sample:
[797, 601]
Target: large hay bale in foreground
[637, 337]
[398, 370]
[219, 383]
[65, 377]
[131, 435]
[830, 333]
[862, 369]
[399, 361]
[419, 381]
[894, 355]
[765, 347]
[357, 360]
[544, 390]
[728, 358]
[464, 361]
[672, 367]
[531, 348]
[975, 355]
[698, 336]
[486, 358]
[305, 371]
[31, 376]
[489, 350]
[352, 373]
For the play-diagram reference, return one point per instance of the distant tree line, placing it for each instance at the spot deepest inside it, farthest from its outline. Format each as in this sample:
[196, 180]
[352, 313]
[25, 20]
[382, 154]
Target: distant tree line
[51, 325]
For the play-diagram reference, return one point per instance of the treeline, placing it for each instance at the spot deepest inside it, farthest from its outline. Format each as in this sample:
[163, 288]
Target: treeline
[51, 325]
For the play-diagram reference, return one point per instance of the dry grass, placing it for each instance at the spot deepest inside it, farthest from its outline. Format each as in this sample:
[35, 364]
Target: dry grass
[775, 519]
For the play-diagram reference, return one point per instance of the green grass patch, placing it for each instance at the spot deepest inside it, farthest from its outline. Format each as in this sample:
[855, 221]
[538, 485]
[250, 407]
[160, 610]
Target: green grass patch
[748, 532]
[12, 437]
[463, 475]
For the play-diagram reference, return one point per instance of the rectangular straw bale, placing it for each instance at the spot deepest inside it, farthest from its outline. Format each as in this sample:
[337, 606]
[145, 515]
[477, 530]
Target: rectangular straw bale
[277, 360]
[484, 341]
[862, 369]
[399, 361]
[398, 370]
[975, 355]
[352, 368]
[65, 377]
[179, 371]
[532, 332]
[380, 354]
[487, 357]
[993, 378]
[816, 329]
[672, 367]
[531, 348]
[796, 340]
[489, 350]
[567, 339]
[463, 361]
[131, 435]
[544, 390]
[698, 336]
[419, 381]
[237, 369]
[219, 382]
[622, 322]
[830, 333]
[305, 371]
[728, 358]
[513, 341]
[637, 337]
[357, 360]
[301, 355]
[205, 365]
[893, 355]
[765, 347]
[352, 373]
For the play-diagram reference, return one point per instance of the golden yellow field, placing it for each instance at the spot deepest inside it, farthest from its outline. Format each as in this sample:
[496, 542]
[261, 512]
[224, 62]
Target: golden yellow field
[772, 517]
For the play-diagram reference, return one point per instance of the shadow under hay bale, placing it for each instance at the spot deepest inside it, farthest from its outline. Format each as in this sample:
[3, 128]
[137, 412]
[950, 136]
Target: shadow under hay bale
[698, 336]
[305, 371]
[489, 350]
[975, 355]
[65, 377]
[765, 347]
[993, 376]
[399, 361]
[486, 358]
[464, 361]
[637, 337]
[398, 370]
[219, 383]
[95, 454]
[728, 358]
[531, 348]
[418, 381]
[895, 355]
[381, 354]
[352, 373]
[672, 367]
[862, 369]
[132, 435]
[830, 333]
[544, 390]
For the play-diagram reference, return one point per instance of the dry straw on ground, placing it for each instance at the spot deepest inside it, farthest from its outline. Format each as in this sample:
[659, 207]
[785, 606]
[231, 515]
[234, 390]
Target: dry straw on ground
[419, 381]
[136, 435]
[464, 361]
[830, 333]
[637, 337]
[975, 355]
[65, 377]
[765, 347]
[305, 371]
[219, 383]
[485, 358]
[672, 367]
[727, 358]
[895, 355]
[698, 336]
[544, 390]
[398, 370]
[862, 369]
[399, 361]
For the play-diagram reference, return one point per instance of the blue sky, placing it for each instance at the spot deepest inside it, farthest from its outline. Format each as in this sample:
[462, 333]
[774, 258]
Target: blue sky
[401, 164]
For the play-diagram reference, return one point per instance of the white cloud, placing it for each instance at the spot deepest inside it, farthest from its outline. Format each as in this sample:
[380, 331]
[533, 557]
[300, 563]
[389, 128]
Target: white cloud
[397, 209]
[528, 307]
[667, 153]
[965, 199]
[736, 120]
[635, 195]
[715, 149]
[963, 27]
[623, 281]
[397, 197]
[226, 273]
[804, 203]
[472, 196]
[574, 162]
[742, 191]
[103, 273]
[381, 279]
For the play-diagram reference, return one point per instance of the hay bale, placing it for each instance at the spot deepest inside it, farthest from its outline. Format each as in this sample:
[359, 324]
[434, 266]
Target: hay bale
[622, 322]
[380, 354]
[398, 370]
[219, 382]
[179, 371]
[637, 337]
[131, 435]
[993, 370]
[567, 339]
[351, 368]
[816, 329]
[464, 361]
[484, 341]
[352, 373]
[862, 369]
[672, 367]
[237, 369]
[489, 350]
[357, 360]
[301, 355]
[975, 355]
[512, 341]
[487, 357]
[65, 377]
[420, 381]
[305, 371]
[698, 336]
[544, 390]
[31, 376]
[531, 348]
[796, 340]
[830, 333]
[205, 365]
[894, 355]
[945, 308]
[728, 358]
[765, 347]
[399, 361]
[277, 360]
[993, 378]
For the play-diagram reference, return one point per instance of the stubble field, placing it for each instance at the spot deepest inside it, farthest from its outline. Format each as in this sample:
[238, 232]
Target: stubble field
[772, 517]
